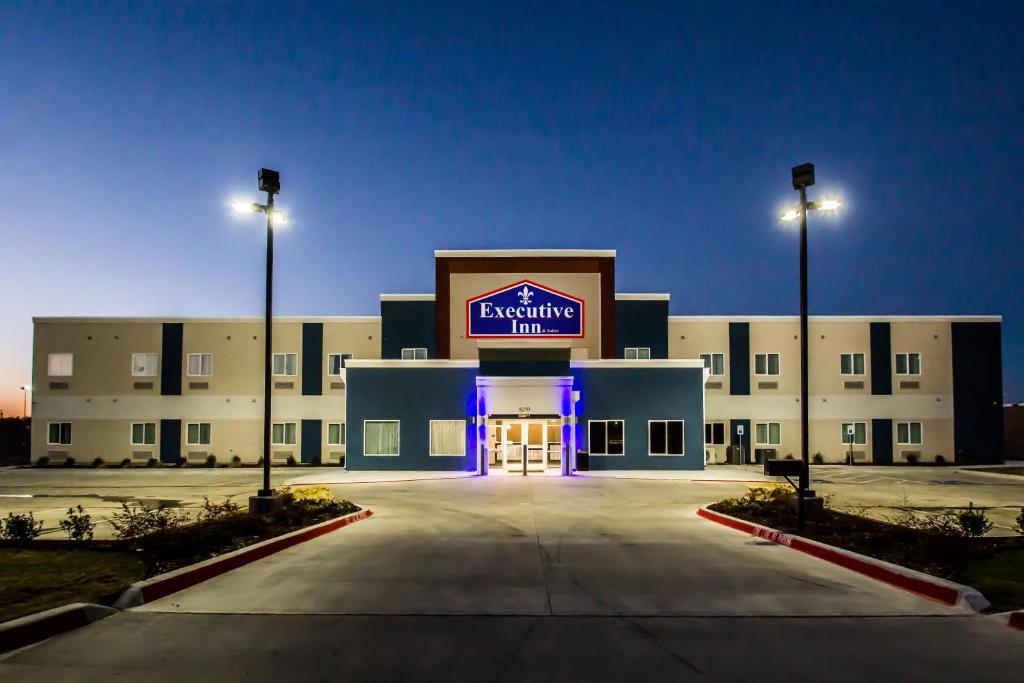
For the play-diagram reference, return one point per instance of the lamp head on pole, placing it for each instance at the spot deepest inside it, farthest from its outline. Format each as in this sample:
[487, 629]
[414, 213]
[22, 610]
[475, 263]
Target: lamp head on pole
[270, 181]
[803, 176]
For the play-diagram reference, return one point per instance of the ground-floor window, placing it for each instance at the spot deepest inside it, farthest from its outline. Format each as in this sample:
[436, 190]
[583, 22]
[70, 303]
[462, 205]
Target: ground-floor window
[855, 433]
[665, 437]
[335, 433]
[58, 434]
[908, 433]
[606, 437]
[282, 434]
[714, 433]
[380, 437]
[447, 437]
[768, 433]
[143, 433]
[197, 434]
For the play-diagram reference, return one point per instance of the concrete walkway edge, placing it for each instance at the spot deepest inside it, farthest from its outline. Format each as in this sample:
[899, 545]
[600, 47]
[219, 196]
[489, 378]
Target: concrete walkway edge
[925, 585]
[32, 628]
[160, 586]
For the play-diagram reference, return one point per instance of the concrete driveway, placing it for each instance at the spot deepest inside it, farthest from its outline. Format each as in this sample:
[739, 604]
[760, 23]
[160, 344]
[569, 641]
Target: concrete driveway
[507, 578]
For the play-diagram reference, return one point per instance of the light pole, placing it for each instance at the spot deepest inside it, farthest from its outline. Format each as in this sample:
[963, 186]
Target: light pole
[266, 500]
[803, 177]
[24, 400]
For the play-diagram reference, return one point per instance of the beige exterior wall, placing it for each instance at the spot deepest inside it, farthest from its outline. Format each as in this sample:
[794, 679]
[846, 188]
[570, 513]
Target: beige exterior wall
[691, 339]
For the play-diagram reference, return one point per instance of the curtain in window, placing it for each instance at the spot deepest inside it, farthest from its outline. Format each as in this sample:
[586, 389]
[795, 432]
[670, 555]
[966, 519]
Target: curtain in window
[380, 438]
[448, 437]
[336, 434]
[59, 364]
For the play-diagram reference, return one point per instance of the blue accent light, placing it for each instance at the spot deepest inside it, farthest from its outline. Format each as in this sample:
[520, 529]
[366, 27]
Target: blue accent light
[481, 408]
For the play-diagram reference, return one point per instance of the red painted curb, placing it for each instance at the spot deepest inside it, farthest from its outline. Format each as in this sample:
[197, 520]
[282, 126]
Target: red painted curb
[936, 591]
[1017, 619]
[35, 627]
[158, 588]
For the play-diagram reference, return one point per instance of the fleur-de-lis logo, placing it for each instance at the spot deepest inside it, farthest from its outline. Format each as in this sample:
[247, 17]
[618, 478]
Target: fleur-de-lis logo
[525, 294]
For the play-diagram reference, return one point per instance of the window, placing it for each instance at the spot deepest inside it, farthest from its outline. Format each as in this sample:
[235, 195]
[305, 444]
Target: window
[144, 364]
[715, 362]
[860, 433]
[766, 363]
[768, 433]
[447, 437]
[285, 363]
[414, 354]
[714, 433]
[851, 363]
[335, 363]
[58, 434]
[59, 364]
[908, 433]
[380, 437]
[606, 437]
[336, 434]
[143, 433]
[908, 363]
[197, 434]
[282, 434]
[637, 353]
[665, 437]
[200, 364]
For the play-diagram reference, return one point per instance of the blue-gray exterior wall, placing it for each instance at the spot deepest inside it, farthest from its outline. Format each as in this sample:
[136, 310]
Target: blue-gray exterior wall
[636, 396]
[414, 396]
[641, 323]
[406, 324]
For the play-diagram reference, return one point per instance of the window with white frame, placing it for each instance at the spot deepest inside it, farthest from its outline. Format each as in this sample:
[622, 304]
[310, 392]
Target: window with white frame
[766, 363]
[60, 364]
[282, 434]
[908, 363]
[447, 437]
[417, 353]
[336, 362]
[197, 434]
[637, 353]
[851, 363]
[855, 433]
[336, 434]
[767, 433]
[606, 437]
[199, 364]
[908, 433]
[714, 433]
[144, 364]
[143, 433]
[381, 437]
[285, 364]
[665, 437]
[715, 362]
[58, 434]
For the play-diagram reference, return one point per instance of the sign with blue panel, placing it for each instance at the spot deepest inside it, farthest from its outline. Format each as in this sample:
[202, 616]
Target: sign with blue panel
[524, 309]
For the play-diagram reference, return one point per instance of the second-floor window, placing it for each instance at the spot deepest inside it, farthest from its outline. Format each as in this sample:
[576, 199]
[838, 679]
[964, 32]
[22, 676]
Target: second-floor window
[285, 363]
[908, 363]
[715, 362]
[417, 353]
[637, 353]
[336, 362]
[200, 364]
[851, 363]
[144, 364]
[60, 364]
[766, 363]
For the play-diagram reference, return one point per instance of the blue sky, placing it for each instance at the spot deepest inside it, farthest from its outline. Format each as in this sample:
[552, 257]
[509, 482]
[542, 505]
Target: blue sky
[663, 130]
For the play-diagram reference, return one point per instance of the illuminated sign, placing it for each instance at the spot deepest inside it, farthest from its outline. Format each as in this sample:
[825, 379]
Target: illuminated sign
[524, 309]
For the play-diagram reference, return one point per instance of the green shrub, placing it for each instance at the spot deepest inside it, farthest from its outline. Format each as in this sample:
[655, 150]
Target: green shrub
[20, 528]
[68, 462]
[818, 459]
[291, 462]
[212, 511]
[236, 461]
[151, 462]
[315, 462]
[911, 458]
[259, 460]
[136, 520]
[126, 462]
[77, 524]
[42, 462]
[211, 460]
[940, 459]
[1019, 526]
[181, 461]
[789, 456]
[98, 462]
[973, 523]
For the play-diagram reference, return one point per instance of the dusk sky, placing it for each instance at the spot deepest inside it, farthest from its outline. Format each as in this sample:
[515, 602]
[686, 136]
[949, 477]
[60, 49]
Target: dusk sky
[665, 131]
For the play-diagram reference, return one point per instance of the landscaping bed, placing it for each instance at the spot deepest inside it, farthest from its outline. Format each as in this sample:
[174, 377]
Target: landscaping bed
[37, 575]
[939, 546]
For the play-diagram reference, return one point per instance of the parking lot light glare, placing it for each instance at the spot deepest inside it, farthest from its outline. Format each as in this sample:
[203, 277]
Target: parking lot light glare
[243, 206]
[790, 215]
[830, 204]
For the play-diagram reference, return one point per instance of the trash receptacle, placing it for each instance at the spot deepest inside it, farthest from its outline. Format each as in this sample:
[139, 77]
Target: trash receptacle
[582, 461]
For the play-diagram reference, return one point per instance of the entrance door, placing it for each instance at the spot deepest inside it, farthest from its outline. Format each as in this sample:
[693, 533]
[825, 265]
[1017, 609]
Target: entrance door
[536, 449]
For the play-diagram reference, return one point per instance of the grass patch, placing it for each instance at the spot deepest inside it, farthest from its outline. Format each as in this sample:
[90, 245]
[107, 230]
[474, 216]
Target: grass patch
[1018, 471]
[993, 565]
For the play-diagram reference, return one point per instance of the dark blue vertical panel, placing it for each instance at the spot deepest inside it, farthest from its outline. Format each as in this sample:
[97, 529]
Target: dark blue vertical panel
[881, 360]
[642, 323]
[881, 442]
[170, 440]
[312, 359]
[739, 359]
[977, 392]
[170, 359]
[312, 438]
[406, 324]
